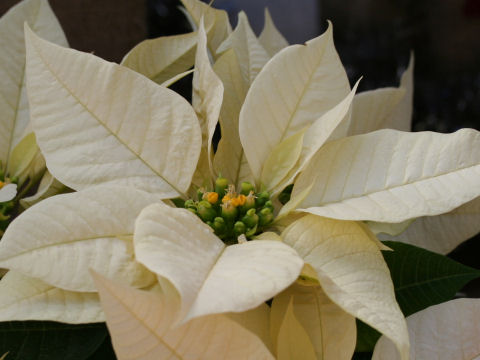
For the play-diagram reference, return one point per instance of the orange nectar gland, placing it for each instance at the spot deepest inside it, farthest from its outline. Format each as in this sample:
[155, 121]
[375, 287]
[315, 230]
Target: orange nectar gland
[226, 199]
[239, 200]
[211, 197]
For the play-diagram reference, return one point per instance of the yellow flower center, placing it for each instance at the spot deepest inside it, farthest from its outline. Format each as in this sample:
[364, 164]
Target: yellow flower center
[211, 197]
[239, 200]
[236, 200]
[243, 213]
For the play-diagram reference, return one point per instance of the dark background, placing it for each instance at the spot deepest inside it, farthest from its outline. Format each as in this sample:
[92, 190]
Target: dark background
[373, 37]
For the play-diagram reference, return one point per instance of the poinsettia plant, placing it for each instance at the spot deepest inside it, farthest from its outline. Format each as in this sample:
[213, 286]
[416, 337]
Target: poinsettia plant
[262, 246]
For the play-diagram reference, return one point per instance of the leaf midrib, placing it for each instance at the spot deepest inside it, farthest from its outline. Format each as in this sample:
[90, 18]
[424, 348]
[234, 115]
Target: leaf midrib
[150, 329]
[428, 178]
[304, 90]
[102, 124]
[114, 236]
[436, 279]
[32, 296]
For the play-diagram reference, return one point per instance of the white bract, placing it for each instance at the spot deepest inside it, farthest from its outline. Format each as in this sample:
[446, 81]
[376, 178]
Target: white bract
[21, 163]
[142, 327]
[330, 330]
[450, 330]
[8, 192]
[129, 145]
[14, 112]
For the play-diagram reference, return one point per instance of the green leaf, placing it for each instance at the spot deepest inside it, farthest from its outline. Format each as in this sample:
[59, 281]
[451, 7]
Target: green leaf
[421, 278]
[362, 356]
[105, 351]
[50, 340]
[367, 337]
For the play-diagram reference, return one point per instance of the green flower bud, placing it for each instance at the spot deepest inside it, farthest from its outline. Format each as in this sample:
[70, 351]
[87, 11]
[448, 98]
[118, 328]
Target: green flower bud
[229, 212]
[200, 193]
[219, 226]
[205, 211]
[246, 187]
[269, 205]
[220, 185]
[250, 219]
[265, 216]
[190, 204]
[262, 198]
[192, 210]
[249, 202]
[239, 228]
[251, 232]
[204, 203]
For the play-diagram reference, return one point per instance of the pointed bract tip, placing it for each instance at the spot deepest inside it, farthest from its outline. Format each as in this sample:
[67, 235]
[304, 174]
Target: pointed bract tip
[267, 14]
[242, 17]
[411, 61]
[358, 82]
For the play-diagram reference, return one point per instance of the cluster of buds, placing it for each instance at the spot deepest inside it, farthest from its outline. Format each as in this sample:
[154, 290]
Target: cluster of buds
[230, 213]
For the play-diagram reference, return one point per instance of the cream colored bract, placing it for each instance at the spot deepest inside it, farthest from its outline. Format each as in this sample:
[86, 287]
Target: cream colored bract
[21, 163]
[450, 330]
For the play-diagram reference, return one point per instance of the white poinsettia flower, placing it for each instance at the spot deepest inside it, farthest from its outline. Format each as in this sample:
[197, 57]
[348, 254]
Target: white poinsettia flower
[129, 146]
[170, 129]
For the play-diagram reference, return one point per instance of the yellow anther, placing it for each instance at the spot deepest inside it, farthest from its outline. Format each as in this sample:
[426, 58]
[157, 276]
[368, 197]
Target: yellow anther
[238, 200]
[1, 184]
[231, 196]
[241, 199]
[211, 197]
[235, 202]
